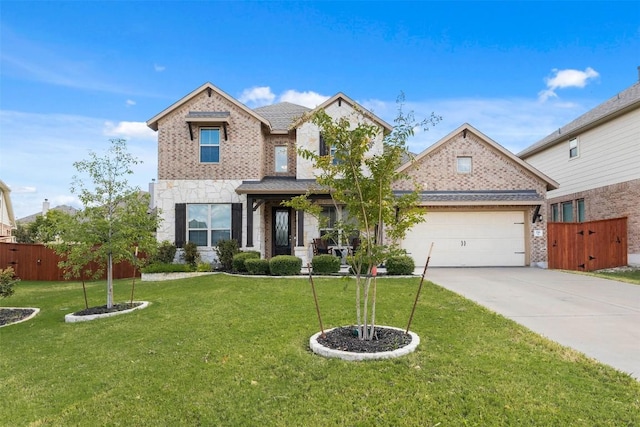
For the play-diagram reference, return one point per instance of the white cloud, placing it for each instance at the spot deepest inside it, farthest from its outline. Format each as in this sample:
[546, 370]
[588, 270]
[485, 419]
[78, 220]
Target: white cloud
[159, 68]
[129, 130]
[308, 99]
[257, 96]
[130, 102]
[43, 148]
[566, 78]
[23, 190]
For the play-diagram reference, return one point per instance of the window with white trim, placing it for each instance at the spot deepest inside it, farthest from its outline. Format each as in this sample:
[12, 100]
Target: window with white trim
[210, 145]
[573, 148]
[463, 164]
[207, 224]
[281, 158]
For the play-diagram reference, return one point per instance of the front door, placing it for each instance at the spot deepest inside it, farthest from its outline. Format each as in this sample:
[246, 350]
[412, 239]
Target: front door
[281, 233]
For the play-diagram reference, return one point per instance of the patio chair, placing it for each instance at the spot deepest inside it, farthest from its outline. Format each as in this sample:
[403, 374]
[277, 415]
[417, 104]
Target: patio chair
[321, 246]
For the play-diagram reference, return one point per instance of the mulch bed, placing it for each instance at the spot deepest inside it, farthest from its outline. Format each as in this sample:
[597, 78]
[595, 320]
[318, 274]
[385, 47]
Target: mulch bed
[346, 339]
[13, 315]
[102, 309]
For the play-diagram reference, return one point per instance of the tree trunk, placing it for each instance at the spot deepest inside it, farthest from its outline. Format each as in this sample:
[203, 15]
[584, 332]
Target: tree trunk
[110, 281]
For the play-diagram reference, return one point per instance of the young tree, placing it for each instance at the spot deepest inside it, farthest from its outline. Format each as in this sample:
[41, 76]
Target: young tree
[361, 182]
[115, 219]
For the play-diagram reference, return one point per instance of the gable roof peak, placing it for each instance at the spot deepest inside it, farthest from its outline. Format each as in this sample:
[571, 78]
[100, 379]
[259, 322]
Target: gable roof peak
[210, 88]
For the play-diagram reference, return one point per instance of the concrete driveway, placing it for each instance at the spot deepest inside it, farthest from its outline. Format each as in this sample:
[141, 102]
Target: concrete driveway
[598, 317]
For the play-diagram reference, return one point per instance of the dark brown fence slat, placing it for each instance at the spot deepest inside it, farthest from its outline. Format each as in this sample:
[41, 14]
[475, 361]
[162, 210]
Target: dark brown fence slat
[587, 246]
[37, 262]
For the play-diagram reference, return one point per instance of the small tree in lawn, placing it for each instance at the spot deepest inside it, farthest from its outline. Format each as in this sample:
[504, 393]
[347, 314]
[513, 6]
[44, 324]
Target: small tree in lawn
[115, 218]
[362, 183]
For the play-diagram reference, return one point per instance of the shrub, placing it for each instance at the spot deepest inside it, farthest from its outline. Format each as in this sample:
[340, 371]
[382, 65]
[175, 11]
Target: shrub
[325, 264]
[203, 267]
[400, 265]
[285, 265]
[241, 257]
[191, 255]
[257, 266]
[225, 251]
[166, 253]
[167, 268]
[7, 280]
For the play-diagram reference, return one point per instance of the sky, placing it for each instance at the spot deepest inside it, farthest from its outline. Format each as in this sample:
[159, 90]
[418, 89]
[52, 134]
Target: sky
[75, 74]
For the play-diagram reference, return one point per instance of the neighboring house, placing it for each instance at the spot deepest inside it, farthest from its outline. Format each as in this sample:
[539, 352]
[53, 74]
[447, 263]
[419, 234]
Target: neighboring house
[485, 206]
[46, 208]
[7, 219]
[225, 169]
[595, 160]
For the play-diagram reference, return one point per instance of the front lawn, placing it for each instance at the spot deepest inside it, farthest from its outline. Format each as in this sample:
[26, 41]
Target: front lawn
[222, 350]
[629, 276]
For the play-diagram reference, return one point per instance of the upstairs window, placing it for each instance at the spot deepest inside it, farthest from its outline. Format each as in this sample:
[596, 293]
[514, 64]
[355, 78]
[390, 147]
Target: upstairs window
[210, 145]
[463, 164]
[281, 158]
[573, 148]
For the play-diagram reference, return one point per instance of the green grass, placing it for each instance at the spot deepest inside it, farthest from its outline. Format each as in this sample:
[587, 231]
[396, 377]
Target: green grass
[233, 351]
[630, 276]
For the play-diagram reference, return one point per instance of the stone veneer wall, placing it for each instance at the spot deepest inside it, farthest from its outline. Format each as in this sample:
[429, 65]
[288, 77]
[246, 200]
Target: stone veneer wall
[170, 192]
[612, 201]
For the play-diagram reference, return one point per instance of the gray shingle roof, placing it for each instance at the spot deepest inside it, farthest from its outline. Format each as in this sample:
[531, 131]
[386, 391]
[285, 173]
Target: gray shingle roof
[628, 98]
[278, 186]
[282, 114]
[480, 196]
[208, 114]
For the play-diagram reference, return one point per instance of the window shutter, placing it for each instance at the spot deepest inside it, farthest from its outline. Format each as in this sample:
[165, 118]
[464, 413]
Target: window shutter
[181, 224]
[322, 150]
[236, 222]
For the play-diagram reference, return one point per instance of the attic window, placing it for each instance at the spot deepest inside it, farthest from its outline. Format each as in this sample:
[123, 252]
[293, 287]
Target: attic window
[220, 118]
[463, 164]
[573, 148]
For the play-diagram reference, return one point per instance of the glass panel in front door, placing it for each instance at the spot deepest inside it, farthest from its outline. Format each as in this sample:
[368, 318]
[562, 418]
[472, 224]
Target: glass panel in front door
[281, 232]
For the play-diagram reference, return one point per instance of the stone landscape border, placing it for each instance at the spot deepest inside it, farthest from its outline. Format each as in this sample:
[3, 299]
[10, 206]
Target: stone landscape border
[72, 318]
[29, 317]
[321, 350]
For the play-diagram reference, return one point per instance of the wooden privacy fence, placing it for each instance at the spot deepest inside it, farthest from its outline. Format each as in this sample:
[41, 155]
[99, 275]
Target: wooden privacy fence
[37, 262]
[587, 246]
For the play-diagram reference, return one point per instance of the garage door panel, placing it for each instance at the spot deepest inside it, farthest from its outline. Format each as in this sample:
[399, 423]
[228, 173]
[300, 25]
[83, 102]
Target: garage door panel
[493, 238]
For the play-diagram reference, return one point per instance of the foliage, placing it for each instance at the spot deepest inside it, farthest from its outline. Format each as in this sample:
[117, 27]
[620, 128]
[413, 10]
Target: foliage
[203, 267]
[44, 229]
[166, 253]
[325, 264]
[400, 265]
[225, 251]
[285, 265]
[115, 222]
[166, 268]
[241, 257]
[7, 282]
[22, 233]
[359, 176]
[257, 266]
[140, 368]
[190, 254]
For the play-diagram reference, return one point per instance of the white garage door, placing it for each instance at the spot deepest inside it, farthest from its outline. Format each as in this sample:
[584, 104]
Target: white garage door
[469, 239]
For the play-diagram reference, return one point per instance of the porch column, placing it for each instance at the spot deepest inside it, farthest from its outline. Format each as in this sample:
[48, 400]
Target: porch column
[300, 228]
[249, 221]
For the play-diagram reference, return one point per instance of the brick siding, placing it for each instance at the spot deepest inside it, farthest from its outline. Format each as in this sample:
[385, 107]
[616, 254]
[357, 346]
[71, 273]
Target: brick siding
[241, 155]
[611, 201]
